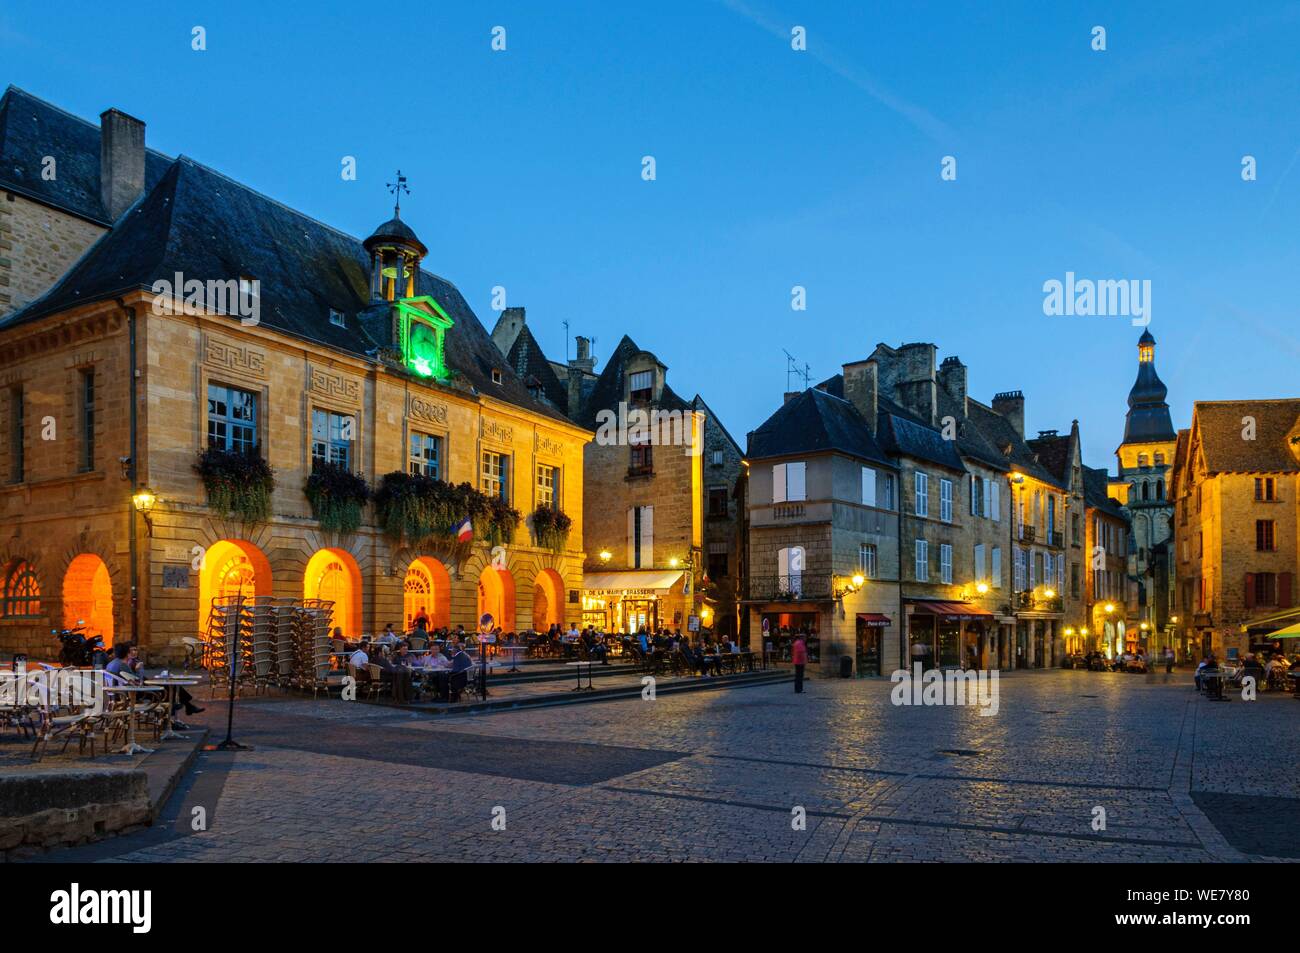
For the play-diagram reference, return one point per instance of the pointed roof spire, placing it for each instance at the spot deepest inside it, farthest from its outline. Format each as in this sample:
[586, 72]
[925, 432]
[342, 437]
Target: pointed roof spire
[1148, 418]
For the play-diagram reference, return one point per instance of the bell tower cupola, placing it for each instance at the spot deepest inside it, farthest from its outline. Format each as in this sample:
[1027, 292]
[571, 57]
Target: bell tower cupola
[395, 253]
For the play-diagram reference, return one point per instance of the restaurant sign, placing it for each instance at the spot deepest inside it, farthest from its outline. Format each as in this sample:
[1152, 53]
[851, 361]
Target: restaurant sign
[623, 592]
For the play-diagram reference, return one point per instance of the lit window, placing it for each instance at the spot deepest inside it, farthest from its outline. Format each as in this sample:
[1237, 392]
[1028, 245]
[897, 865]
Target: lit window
[492, 475]
[548, 483]
[22, 592]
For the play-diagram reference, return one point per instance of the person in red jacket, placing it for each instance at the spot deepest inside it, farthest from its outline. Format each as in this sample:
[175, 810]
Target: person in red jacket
[799, 656]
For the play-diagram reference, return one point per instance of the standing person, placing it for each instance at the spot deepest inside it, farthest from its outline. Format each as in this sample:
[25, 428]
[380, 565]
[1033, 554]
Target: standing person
[1169, 660]
[799, 656]
[421, 622]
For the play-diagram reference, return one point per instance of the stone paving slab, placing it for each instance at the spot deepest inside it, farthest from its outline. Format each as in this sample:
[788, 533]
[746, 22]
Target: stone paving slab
[717, 776]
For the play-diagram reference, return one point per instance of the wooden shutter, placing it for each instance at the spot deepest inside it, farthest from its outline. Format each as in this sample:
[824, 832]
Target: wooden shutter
[1250, 590]
[631, 537]
[647, 536]
[794, 475]
[778, 483]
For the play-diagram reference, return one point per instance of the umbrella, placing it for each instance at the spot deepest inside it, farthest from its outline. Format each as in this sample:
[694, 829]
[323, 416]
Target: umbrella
[1290, 632]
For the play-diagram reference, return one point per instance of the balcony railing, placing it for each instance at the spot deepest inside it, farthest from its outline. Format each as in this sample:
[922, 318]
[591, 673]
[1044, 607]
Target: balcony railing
[1039, 603]
[1056, 538]
[790, 588]
[788, 511]
[1027, 533]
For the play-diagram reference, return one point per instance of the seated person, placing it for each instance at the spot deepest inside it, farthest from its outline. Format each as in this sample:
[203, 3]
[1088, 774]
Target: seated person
[461, 663]
[397, 675]
[360, 658]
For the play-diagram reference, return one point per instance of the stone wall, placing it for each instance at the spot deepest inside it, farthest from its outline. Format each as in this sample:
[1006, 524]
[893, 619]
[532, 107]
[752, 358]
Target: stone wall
[38, 245]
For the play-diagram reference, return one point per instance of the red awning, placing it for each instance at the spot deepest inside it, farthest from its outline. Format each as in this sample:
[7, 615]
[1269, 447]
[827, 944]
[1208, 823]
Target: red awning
[952, 610]
[874, 619]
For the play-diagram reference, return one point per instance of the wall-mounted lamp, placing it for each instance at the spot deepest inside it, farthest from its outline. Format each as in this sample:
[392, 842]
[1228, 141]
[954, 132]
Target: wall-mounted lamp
[143, 500]
[606, 555]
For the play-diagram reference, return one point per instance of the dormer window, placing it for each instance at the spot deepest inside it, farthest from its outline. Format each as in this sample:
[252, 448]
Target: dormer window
[496, 375]
[336, 318]
[641, 387]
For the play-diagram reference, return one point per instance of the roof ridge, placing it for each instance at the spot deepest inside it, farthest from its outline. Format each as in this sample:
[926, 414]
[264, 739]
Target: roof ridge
[11, 88]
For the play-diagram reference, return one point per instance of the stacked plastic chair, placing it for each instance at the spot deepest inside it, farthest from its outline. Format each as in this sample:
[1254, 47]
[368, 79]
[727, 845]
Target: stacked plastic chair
[229, 641]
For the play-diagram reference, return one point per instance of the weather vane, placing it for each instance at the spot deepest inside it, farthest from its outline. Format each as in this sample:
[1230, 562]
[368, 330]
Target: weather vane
[397, 188]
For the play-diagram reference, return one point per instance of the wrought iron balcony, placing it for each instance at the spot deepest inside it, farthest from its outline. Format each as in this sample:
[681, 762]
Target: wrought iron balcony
[1056, 538]
[1037, 602]
[1027, 533]
[790, 588]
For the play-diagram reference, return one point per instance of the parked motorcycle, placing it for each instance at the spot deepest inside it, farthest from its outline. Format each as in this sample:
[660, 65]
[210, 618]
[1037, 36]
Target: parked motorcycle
[80, 650]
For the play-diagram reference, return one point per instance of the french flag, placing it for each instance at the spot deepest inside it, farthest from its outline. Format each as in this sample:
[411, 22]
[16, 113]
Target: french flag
[465, 531]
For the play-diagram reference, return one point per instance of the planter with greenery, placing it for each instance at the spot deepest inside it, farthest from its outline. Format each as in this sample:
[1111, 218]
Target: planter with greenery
[337, 497]
[238, 484]
[551, 528]
[426, 512]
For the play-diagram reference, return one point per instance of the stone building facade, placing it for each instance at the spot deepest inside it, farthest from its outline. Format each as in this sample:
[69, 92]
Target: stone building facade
[661, 524]
[1236, 483]
[341, 351]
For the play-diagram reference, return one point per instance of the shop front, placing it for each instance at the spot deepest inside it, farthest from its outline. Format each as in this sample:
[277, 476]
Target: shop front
[871, 633]
[633, 600]
[950, 635]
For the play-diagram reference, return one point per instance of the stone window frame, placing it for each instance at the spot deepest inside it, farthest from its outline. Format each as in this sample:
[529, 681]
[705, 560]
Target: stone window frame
[260, 389]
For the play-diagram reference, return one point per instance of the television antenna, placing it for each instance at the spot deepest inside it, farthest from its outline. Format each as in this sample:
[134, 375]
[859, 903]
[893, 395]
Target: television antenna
[792, 369]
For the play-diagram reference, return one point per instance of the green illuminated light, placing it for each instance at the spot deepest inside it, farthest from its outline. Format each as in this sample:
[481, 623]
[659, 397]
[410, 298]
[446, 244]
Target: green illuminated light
[422, 331]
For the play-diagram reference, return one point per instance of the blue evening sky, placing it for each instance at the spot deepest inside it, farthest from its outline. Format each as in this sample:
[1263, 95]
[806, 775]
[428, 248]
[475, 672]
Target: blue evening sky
[775, 168]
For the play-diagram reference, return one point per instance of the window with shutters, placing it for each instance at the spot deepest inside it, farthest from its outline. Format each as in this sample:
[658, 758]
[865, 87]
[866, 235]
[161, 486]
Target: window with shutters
[922, 561]
[979, 562]
[790, 566]
[641, 536]
[888, 499]
[976, 495]
[868, 486]
[995, 568]
[921, 502]
[995, 501]
[641, 387]
[945, 500]
[945, 563]
[788, 482]
[1019, 569]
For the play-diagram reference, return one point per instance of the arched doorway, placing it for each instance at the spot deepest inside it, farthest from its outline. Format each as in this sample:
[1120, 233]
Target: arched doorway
[496, 596]
[333, 574]
[229, 568]
[88, 597]
[427, 587]
[548, 600]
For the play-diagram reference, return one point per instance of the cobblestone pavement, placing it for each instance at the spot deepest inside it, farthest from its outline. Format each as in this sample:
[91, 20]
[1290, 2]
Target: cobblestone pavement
[719, 776]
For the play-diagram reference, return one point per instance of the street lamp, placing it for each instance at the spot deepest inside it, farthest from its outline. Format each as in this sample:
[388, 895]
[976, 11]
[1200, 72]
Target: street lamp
[858, 580]
[606, 555]
[143, 500]
[981, 587]
[1110, 607]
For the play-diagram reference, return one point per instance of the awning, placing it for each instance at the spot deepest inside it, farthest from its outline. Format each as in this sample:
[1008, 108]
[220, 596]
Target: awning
[631, 581]
[1286, 615]
[874, 619]
[1290, 632]
[952, 610]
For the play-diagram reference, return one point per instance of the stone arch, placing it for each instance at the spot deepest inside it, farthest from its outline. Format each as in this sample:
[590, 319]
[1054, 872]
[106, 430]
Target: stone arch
[333, 574]
[87, 596]
[496, 596]
[548, 600]
[427, 586]
[230, 567]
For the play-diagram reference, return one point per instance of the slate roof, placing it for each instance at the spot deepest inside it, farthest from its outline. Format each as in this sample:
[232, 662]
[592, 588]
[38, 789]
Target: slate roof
[207, 226]
[1053, 452]
[608, 390]
[813, 422]
[30, 129]
[697, 403]
[901, 432]
[528, 361]
[1148, 419]
[1219, 426]
[1095, 482]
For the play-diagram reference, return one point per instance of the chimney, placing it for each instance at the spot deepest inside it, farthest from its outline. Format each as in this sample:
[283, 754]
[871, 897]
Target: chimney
[789, 396]
[121, 161]
[952, 378]
[584, 365]
[1011, 405]
[507, 329]
[861, 385]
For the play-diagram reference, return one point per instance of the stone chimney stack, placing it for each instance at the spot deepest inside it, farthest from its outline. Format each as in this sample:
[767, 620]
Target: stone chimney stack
[121, 161]
[1011, 405]
[579, 367]
[861, 387]
[952, 378]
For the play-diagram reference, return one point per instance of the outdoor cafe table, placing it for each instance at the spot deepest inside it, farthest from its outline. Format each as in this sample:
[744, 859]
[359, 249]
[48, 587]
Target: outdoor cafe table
[514, 651]
[578, 665]
[1214, 682]
[173, 685]
[131, 747]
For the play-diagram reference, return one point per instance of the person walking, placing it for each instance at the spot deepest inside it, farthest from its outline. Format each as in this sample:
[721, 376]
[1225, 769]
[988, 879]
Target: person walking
[799, 656]
[1169, 660]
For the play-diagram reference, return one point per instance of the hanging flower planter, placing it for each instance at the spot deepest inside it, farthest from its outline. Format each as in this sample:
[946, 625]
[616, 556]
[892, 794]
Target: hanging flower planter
[426, 512]
[337, 497]
[238, 484]
[551, 528]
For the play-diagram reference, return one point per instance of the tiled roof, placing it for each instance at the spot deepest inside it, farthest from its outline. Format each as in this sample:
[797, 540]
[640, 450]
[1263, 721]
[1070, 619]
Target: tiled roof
[31, 129]
[609, 391]
[1220, 425]
[531, 365]
[1095, 482]
[1054, 455]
